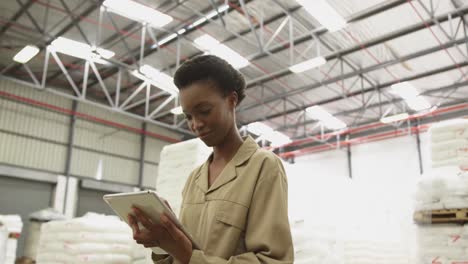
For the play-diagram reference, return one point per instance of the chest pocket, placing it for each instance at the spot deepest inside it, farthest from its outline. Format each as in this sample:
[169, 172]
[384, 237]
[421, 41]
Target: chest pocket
[228, 232]
[232, 214]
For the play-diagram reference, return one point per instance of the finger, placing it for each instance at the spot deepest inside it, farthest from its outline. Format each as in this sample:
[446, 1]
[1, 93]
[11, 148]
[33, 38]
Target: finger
[171, 228]
[144, 238]
[140, 242]
[133, 224]
[150, 245]
[140, 213]
[143, 219]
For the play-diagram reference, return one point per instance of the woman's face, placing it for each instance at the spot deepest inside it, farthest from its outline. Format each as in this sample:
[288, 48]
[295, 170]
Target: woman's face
[210, 115]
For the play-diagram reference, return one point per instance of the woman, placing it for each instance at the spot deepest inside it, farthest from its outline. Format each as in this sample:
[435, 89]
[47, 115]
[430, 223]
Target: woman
[235, 204]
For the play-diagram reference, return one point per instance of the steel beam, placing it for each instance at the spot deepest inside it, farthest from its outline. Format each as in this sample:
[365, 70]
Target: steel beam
[65, 72]
[428, 92]
[31, 74]
[130, 28]
[64, 30]
[56, 91]
[450, 22]
[372, 11]
[360, 16]
[135, 53]
[30, 17]
[120, 37]
[15, 17]
[77, 26]
[143, 101]
[116, 37]
[422, 121]
[101, 82]
[354, 74]
[382, 39]
[138, 90]
[161, 106]
[252, 28]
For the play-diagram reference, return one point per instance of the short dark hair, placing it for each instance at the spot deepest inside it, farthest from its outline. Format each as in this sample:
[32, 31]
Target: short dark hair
[211, 68]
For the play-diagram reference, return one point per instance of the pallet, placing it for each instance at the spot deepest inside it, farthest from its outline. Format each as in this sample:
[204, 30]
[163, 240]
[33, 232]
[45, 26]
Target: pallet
[458, 216]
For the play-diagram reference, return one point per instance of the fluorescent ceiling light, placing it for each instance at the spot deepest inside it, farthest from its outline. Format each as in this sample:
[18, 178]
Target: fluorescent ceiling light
[405, 90]
[213, 46]
[267, 133]
[324, 14]
[259, 128]
[411, 96]
[210, 15]
[394, 118]
[277, 139]
[197, 22]
[213, 13]
[81, 50]
[138, 12]
[106, 54]
[418, 103]
[149, 71]
[26, 54]
[207, 42]
[334, 124]
[327, 119]
[156, 78]
[308, 64]
[166, 40]
[181, 31]
[177, 110]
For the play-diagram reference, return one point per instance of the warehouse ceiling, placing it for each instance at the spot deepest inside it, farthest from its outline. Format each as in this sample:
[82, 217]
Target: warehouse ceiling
[423, 42]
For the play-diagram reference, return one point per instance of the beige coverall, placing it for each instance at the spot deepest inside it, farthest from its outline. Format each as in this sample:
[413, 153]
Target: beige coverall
[243, 216]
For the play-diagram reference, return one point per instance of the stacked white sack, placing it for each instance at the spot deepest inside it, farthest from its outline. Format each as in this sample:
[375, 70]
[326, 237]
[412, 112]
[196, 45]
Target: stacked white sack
[14, 225]
[176, 163]
[327, 245]
[375, 243]
[442, 244]
[443, 188]
[3, 242]
[36, 220]
[449, 143]
[363, 251]
[90, 239]
[314, 244]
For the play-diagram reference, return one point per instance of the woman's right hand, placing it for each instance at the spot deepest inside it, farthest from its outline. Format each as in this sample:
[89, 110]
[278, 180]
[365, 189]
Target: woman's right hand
[145, 237]
[164, 234]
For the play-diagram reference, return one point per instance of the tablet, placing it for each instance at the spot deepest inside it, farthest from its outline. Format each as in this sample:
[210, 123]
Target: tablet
[150, 203]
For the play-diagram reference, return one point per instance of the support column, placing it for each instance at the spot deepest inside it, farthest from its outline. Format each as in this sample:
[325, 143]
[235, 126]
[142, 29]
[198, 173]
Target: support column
[70, 198]
[142, 155]
[418, 142]
[350, 165]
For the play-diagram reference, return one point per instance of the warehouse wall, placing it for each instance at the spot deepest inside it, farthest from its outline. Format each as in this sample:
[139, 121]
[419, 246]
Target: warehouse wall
[32, 137]
[37, 138]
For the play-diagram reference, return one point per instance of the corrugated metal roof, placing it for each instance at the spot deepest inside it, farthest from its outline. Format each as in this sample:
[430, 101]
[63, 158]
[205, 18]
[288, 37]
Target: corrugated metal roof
[120, 35]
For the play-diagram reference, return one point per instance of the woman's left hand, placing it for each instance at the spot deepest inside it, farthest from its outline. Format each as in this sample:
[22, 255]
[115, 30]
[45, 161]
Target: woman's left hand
[165, 235]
